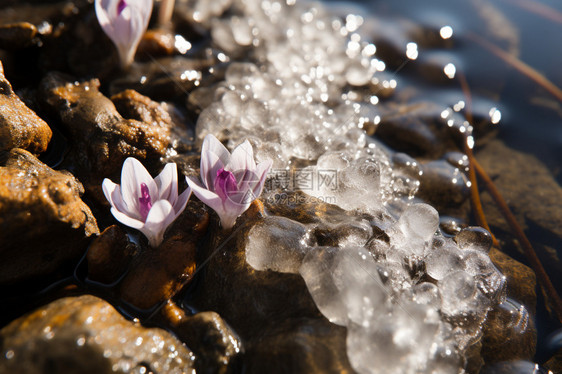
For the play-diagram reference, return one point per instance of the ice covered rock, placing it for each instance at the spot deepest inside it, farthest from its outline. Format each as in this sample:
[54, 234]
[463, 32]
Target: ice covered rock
[278, 244]
[345, 284]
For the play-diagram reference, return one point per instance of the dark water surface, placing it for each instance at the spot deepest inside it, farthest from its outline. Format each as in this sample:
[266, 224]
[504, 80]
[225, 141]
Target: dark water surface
[531, 117]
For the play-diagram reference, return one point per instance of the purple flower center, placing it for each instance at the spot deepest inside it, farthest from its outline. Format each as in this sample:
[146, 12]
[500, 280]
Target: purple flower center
[121, 5]
[145, 202]
[225, 184]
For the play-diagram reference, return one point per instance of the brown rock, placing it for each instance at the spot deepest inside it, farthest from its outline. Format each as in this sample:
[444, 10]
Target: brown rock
[555, 362]
[168, 78]
[213, 341]
[299, 346]
[43, 222]
[87, 335]
[417, 129]
[109, 255]
[17, 35]
[155, 43]
[442, 185]
[521, 279]
[20, 127]
[101, 139]
[156, 274]
[513, 367]
[534, 197]
[509, 334]
[133, 105]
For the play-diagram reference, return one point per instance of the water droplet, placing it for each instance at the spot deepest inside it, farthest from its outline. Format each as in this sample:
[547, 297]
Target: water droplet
[450, 70]
[446, 32]
[81, 341]
[412, 51]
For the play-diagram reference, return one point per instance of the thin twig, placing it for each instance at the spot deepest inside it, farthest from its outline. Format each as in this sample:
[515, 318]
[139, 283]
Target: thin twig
[474, 193]
[552, 295]
[519, 65]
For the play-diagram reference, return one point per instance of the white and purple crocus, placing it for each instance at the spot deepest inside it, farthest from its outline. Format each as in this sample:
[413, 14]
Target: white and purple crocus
[124, 22]
[229, 183]
[143, 203]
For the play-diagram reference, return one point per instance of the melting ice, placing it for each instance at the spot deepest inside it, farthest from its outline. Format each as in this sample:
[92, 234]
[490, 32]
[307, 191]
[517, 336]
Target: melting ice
[302, 85]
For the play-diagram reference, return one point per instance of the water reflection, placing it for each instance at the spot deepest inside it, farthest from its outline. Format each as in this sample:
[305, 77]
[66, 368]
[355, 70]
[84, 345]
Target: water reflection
[450, 70]
[446, 32]
[412, 50]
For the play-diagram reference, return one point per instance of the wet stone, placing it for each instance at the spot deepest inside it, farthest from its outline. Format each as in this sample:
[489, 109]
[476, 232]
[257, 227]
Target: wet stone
[20, 127]
[156, 274]
[43, 222]
[87, 335]
[536, 204]
[417, 129]
[509, 333]
[132, 105]
[214, 342]
[109, 255]
[68, 36]
[36, 13]
[300, 346]
[17, 35]
[443, 185]
[156, 43]
[515, 367]
[168, 78]
[474, 238]
[430, 66]
[555, 362]
[521, 280]
[101, 139]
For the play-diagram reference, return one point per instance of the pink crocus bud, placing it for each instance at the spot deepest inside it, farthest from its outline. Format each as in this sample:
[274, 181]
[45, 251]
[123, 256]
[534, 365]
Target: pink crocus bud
[146, 204]
[124, 22]
[229, 183]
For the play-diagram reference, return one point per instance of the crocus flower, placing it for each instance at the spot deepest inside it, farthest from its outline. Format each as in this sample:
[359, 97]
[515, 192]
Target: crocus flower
[229, 183]
[124, 22]
[146, 204]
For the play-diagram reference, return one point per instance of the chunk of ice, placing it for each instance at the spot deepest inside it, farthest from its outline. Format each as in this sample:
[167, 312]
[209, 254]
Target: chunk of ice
[278, 244]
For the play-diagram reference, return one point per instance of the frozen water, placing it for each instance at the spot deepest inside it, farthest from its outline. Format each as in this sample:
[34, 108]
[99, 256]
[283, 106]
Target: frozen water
[419, 222]
[299, 86]
[427, 294]
[489, 280]
[442, 260]
[413, 231]
[317, 269]
[458, 289]
[359, 284]
[354, 233]
[278, 244]
[355, 292]
[475, 238]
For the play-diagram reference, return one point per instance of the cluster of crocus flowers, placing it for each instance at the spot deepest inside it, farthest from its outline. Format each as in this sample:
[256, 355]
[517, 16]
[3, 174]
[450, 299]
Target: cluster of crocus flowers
[229, 184]
[124, 22]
